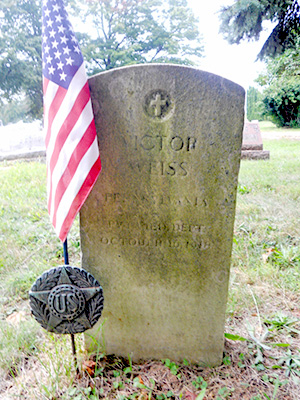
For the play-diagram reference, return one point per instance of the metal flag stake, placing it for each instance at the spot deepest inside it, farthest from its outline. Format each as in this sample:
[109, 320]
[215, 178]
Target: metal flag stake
[66, 300]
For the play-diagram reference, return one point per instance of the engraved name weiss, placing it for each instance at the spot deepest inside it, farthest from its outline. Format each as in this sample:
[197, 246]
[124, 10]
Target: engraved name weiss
[161, 168]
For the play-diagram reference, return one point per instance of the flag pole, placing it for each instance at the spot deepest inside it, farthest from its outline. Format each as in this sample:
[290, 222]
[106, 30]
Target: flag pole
[66, 254]
[59, 110]
[66, 259]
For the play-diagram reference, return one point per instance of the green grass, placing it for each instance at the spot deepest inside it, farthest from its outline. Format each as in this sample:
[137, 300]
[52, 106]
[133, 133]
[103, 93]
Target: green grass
[266, 249]
[268, 215]
[263, 300]
[28, 247]
[28, 242]
[269, 126]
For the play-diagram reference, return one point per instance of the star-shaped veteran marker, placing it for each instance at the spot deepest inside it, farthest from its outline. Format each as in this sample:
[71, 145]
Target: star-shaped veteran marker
[66, 300]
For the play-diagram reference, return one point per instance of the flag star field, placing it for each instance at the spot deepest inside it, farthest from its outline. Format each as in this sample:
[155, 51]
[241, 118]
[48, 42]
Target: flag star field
[61, 54]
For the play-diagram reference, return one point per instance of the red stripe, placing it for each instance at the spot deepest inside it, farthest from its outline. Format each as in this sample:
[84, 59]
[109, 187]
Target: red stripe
[76, 157]
[53, 109]
[45, 84]
[78, 201]
[69, 123]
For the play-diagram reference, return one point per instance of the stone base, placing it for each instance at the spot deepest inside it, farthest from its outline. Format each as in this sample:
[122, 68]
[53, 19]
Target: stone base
[255, 155]
[252, 147]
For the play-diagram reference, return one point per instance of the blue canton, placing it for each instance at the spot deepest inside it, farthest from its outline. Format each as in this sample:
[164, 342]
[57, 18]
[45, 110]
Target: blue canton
[61, 54]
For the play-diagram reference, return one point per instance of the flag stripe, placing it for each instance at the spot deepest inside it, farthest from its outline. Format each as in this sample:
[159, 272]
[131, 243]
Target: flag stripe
[69, 122]
[45, 85]
[66, 151]
[83, 193]
[77, 192]
[77, 155]
[55, 96]
[66, 105]
[73, 162]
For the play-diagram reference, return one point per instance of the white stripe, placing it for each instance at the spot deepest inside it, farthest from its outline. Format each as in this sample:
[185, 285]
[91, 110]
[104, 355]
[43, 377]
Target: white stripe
[79, 177]
[49, 95]
[77, 83]
[68, 148]
[48, 98]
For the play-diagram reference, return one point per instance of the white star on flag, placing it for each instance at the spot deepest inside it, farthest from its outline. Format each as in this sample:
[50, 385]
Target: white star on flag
[73, 162]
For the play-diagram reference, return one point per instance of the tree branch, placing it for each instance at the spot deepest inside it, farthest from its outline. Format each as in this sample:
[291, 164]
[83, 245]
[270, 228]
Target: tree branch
[158, 50]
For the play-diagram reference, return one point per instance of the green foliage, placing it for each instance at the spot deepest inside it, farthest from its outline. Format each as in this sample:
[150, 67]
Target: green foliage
[281, 321]
[135, 31]
[224, 393]
[20, 52]
[199, 382]
[285, 257]
[244, 20]
[120, 33]
[282, 102]
[242, 189]
[14, 110]
[290, 362]
[254, 104]
[172, 366]
[281, 94]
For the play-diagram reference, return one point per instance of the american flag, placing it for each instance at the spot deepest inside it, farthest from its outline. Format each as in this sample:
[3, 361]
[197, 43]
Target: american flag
[73, 162]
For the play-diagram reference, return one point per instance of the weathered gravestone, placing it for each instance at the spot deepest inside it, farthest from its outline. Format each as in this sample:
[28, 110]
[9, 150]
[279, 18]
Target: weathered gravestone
[157, 228]
[252, 145]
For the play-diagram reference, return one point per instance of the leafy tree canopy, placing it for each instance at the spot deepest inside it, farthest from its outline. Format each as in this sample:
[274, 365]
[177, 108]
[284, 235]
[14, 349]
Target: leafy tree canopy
[117, 33]
[139, 31]
[20, 51]
[281, 83]
[244, 20]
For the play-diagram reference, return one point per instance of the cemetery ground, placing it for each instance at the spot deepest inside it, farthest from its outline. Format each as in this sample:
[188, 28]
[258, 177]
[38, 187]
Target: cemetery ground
[262, 329]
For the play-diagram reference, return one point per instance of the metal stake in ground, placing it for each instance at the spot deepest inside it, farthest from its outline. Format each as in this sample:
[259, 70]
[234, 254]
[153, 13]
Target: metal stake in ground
[66, 300]
[66, 259]
[74, 353]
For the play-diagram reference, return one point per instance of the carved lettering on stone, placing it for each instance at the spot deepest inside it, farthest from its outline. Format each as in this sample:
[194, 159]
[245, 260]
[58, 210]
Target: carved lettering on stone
[158, 225]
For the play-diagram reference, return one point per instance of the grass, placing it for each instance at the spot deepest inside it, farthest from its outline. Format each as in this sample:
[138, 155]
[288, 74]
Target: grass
[261, 355]
[269, 126]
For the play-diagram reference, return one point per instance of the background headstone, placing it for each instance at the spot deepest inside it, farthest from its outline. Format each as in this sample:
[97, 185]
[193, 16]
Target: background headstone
[252, 146]
[22, 140]
[157, 228]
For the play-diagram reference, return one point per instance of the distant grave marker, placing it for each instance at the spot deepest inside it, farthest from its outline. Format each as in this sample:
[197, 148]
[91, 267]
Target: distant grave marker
[252, 147]
[157, 228]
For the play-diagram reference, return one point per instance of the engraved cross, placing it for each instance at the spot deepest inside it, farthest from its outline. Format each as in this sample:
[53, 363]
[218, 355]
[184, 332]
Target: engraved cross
[157, 104]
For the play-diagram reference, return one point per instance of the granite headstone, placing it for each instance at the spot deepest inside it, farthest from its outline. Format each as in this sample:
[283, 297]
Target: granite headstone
[157, 228]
